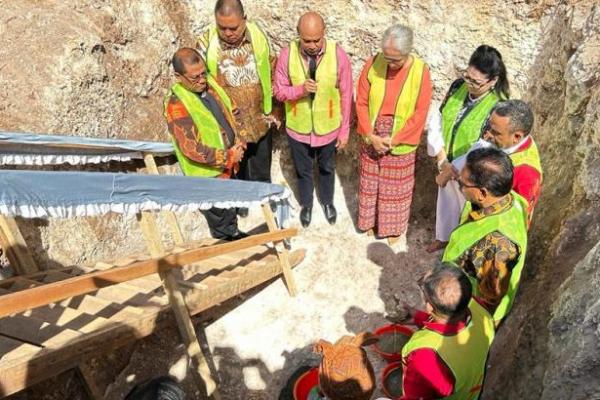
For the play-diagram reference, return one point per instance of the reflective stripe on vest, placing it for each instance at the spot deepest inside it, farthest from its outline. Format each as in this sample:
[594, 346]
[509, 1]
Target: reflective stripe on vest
[406, 100]
[464, 353]
[529, 156]
[512, 223]
[321, 115]
[261, 50]
[458, 139]
[209, 130]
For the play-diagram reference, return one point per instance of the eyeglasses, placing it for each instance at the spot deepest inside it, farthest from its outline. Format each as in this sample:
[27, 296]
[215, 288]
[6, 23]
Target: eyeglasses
[195, 78]
[463, 185]
[472, 82]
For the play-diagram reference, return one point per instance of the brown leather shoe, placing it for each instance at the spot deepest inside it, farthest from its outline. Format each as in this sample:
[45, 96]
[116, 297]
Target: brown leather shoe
[436, 245]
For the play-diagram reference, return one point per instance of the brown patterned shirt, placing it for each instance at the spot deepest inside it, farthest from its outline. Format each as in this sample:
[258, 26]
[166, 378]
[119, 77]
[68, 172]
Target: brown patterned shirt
[238, 75]
[492, 259]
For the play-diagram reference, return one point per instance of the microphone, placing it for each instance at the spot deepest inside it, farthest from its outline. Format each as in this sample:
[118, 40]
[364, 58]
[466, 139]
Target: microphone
[312, 71]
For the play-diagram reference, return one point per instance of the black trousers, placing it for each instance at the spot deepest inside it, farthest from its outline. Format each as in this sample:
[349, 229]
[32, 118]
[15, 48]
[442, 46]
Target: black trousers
[222, 222]
[304, 157]
[256, 164]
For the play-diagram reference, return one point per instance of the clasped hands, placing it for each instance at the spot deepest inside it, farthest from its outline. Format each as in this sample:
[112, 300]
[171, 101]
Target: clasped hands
[447, 172]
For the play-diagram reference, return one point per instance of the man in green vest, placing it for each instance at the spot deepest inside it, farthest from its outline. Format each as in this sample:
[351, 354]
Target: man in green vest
[446, 357]
[509, 129]
[238, 56]
[490, 242]
[200, 120]
[314, 79]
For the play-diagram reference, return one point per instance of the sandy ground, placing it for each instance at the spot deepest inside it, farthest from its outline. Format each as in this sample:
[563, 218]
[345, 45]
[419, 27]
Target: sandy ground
[346, 283]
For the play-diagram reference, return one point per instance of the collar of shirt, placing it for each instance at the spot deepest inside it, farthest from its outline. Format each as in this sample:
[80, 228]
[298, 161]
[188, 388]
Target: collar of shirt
[501, 205]
[522, 145]
[245, 39]
[447, 328]
[319, 54]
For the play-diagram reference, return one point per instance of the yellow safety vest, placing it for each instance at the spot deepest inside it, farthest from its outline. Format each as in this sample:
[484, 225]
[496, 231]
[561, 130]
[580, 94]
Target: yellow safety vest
[209, 130]
[322, 114]
[464, 353]
[529, 156]
[261, 49]
[406, 100]
[512, 223]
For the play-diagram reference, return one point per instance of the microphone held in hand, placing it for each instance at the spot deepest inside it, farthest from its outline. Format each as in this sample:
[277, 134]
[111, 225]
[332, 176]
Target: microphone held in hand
[312, 71]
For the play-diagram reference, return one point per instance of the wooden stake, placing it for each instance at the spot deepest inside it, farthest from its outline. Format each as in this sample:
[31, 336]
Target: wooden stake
[283, 255]
[15, 247]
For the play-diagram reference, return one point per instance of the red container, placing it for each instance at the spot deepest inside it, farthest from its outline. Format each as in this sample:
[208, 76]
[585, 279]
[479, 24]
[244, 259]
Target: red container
[391, 328]
[305, 383]
[384, 375]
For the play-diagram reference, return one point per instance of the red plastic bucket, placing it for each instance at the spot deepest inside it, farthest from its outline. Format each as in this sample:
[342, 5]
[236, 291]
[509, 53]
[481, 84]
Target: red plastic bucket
[384, 377]
[305, 383]
[391, 328]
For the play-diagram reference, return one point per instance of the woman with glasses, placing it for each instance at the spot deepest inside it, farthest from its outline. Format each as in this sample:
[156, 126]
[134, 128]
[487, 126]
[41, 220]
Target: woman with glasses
[393, 97]
[458, 125]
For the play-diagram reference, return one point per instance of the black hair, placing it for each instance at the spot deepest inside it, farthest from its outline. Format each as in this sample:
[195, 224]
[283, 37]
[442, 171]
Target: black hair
[229, 7]
[518, 112]
[184, 56]
[492, 169]
[488, 61]
[448, 290]
[162, 388]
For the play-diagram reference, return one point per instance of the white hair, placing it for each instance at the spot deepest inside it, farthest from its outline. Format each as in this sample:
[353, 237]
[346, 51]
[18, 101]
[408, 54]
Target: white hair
[400, 37]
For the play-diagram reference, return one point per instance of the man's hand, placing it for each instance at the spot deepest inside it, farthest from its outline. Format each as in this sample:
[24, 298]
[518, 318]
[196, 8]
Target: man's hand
[238, 152]
[341, 143]
[310, 86]
[447, 172]
[380, 144]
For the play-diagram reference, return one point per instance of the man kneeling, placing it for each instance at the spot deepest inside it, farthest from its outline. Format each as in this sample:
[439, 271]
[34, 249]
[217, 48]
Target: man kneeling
[446, 357]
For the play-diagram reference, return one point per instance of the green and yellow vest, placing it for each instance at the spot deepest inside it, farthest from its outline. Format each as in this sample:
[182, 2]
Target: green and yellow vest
[260, 46]
[323, 113]
[209, 130]
[512, 223]
[406, 100]
[464, 353]
[459, 136]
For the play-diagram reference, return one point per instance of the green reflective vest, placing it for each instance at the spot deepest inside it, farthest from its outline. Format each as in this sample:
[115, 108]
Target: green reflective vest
[464, 353]
[529, 156]
[261, 49]
[512, 223]
[406, 100]
[209, 130]
[321, 115]
[459, 135]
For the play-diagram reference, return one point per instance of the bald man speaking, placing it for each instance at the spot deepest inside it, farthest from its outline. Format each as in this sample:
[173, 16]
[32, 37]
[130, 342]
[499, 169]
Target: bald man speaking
[314, 79]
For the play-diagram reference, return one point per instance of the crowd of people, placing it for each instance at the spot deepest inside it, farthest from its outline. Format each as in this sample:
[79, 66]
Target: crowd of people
[232, 93]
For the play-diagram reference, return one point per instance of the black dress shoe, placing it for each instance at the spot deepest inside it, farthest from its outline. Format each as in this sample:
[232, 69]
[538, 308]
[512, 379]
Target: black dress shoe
[330, 213]
[305, 216]
[236, 236]
[242, 212]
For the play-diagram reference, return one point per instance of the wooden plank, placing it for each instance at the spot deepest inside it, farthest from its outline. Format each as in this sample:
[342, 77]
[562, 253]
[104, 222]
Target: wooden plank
[38, 332]
[283, 252]
[89, 384]
[201, 371]
[96, 306]
[15, 247]
[201, 300]
[53, 292]
[11, 349]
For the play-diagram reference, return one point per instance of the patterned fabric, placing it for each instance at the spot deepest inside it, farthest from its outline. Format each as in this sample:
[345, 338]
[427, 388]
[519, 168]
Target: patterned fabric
[239, 77]
[385, 188]
[492, 259]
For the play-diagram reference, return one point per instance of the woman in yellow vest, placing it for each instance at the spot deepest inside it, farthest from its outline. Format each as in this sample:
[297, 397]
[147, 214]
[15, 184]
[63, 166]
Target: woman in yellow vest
[464, 115]
[393, 97]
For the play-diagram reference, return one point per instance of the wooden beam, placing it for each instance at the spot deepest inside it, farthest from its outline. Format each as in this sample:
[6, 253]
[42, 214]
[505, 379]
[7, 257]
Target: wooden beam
[53, 292]
[201, 371]
[15, 247]
[282, 252]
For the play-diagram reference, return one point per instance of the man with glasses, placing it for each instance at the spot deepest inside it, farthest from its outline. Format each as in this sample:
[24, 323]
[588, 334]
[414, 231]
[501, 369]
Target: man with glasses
[446, 357]
[202, 126]
[490, 242]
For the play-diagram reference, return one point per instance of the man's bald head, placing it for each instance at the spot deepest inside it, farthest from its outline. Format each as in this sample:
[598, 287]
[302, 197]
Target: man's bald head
[311, 29]
[311, 22]
[227, 8]
[184, 57]
[448, 290]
